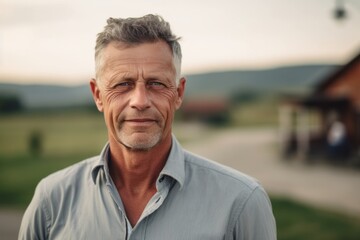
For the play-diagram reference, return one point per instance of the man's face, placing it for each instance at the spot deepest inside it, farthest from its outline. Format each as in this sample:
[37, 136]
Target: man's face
[138, 93]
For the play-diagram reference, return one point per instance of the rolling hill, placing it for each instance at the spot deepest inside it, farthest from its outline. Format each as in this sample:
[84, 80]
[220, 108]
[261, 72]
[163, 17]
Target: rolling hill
[292, 79]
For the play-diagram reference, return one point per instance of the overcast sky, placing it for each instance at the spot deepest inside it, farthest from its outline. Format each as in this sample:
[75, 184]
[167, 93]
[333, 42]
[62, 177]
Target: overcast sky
[53, 41]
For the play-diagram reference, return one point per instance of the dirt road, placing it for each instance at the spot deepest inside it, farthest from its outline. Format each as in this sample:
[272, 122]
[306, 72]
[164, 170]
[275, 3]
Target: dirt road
[254, 152]
[9, 223]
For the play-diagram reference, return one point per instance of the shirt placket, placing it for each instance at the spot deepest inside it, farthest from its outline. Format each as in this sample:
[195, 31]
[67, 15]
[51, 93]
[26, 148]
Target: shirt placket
[155, 202]
[117, 201]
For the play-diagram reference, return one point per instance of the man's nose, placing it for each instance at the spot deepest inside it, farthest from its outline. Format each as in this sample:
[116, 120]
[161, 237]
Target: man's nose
[140, 98]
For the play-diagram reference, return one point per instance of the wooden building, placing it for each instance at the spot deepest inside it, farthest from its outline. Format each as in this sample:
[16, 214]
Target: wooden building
[330, 111]
[213, 110]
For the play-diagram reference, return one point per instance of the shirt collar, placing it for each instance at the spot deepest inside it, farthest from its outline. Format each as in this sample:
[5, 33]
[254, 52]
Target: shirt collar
[174, 167]
[100, 163]
[175, 164]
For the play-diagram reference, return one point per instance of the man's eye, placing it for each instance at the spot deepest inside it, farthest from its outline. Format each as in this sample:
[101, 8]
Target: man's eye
[124, 84]
[157, 85]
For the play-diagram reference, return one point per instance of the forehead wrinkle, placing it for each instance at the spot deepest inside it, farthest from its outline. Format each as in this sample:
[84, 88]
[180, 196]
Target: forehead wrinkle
[128, 68]
[136, 61]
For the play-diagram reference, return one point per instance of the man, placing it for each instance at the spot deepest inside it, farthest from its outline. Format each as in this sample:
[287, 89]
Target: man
[144, 185]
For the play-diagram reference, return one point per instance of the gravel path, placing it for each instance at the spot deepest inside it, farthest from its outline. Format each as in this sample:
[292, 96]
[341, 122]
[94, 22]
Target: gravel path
[9, 223]
[254, 152]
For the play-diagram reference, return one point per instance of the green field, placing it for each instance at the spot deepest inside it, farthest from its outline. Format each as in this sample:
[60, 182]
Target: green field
[66, 138]
[296, 221]
[72, 136]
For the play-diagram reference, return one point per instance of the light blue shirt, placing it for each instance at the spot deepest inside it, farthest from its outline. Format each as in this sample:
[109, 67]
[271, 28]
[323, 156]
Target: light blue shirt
[196, 199]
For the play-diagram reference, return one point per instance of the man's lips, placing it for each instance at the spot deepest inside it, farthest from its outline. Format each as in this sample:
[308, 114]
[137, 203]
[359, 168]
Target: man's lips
[140, 121]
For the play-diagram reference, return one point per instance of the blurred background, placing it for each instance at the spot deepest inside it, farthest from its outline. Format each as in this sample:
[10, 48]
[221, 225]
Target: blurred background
[273, 90]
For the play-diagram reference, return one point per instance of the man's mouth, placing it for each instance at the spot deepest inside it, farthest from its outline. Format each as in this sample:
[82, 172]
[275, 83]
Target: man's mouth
[140, 121]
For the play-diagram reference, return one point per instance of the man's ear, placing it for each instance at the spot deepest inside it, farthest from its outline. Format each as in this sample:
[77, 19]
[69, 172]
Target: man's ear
[180, 92]
[96, 94]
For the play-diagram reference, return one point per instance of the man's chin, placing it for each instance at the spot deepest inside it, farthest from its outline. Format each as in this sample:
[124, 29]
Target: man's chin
[140, 142]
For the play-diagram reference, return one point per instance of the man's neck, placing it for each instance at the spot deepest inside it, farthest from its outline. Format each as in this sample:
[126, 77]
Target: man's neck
[137, 170]
[135, 173]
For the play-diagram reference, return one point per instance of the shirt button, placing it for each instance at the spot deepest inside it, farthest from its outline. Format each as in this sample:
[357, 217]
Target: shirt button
[161, 179]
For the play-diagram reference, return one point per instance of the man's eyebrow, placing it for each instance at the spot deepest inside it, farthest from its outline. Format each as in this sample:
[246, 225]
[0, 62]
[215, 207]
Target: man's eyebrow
[115, 76]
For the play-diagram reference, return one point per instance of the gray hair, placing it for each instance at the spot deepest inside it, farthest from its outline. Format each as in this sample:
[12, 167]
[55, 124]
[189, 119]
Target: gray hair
[133, 31]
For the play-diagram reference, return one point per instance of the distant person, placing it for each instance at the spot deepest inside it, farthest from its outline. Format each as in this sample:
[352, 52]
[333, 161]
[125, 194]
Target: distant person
[144, 185]
[337, 138]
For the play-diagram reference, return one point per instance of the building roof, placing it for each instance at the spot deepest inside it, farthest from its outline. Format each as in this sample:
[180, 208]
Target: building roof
[336, 75]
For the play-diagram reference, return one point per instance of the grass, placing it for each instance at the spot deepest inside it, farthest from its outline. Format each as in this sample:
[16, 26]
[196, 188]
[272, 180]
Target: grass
[297, 221]
[69, 137]
[62, 132]
[20, 174]
[259, 113]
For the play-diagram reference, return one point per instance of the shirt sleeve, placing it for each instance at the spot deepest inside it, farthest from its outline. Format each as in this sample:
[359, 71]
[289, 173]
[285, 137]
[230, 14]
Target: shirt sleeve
[35, 222]
[256, 220]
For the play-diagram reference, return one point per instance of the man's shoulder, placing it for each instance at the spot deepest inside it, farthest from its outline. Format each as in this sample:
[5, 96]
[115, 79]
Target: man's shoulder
[210, 170]
[73, 174]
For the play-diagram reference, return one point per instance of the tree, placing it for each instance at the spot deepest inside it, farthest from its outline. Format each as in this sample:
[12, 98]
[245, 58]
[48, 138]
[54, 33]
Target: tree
[10, 103]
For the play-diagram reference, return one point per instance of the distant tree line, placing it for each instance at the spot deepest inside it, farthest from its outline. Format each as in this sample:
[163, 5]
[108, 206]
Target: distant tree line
[244, 96]
[10, 103]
